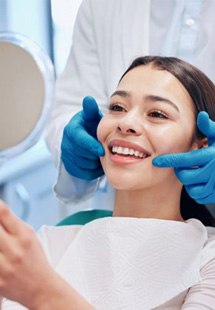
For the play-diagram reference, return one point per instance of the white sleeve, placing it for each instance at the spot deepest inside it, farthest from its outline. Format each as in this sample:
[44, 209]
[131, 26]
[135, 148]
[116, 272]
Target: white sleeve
[81, 77]
[202, 295]
[71, 190]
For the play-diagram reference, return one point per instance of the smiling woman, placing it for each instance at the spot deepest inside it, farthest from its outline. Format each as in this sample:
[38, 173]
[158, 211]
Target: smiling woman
[147, 255]
[153, 112]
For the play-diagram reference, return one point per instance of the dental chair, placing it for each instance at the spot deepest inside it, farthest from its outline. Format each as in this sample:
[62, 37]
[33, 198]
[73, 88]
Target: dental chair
[84, 217]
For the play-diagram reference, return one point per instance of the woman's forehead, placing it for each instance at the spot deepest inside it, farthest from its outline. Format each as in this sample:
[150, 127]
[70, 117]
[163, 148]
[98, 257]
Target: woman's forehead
[147, 81]
[150, 79]
[148, 73]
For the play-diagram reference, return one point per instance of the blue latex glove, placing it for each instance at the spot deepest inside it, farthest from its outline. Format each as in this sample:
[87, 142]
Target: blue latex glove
[199, 182]
[80, 149]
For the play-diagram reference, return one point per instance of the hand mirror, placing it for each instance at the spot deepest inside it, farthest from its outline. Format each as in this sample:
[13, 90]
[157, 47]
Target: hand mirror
[26, 86]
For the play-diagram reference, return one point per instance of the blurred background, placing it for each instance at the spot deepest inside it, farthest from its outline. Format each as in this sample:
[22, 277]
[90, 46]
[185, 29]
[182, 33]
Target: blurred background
[26, 181]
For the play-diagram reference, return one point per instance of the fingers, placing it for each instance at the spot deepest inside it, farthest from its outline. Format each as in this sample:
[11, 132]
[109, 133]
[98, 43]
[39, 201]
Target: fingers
[90, 109]
[206, 125]
[194, 158]
[5, 240]
[89, 143]
[206, 200]
[84, 142]
[185, 160]
[191, 176]
[10, 227]
[85, 174]
[82, 162]
[202, 193]
[196, 175]
[9, 222]
[80, 153]
[75, 135]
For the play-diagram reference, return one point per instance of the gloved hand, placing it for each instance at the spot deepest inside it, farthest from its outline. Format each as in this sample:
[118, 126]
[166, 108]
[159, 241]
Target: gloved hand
[199, 182]
[80, 149]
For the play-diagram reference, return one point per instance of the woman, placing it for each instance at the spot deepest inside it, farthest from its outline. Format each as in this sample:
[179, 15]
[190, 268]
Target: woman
[152, 254]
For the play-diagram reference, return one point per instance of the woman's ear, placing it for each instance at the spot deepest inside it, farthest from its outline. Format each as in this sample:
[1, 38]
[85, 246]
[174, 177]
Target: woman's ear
[200, 143]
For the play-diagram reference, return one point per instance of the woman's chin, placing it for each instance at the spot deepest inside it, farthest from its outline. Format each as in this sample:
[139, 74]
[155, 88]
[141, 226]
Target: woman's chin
[125, 183]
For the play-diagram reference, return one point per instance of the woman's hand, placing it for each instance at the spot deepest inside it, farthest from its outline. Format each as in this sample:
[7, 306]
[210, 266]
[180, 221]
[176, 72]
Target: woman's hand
[25, 274]
[24, 269]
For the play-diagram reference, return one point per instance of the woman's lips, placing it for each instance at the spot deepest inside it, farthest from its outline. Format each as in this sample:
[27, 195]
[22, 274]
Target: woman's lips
[126, 152]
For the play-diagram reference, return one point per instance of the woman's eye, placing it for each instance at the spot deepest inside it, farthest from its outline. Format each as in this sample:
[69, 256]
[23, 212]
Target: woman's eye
[158, 114]
[116, 107]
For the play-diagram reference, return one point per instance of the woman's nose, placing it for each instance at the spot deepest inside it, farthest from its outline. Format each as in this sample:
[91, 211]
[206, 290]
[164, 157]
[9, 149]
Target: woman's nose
[129, 125]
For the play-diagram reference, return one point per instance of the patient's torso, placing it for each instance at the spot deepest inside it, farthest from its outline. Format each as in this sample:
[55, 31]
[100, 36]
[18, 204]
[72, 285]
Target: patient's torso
[128, 263]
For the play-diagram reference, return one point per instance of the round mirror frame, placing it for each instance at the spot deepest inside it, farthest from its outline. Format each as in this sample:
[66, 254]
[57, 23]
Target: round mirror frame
[46, 69]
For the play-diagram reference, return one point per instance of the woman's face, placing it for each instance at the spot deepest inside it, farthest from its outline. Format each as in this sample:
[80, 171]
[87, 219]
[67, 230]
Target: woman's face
[150, 114]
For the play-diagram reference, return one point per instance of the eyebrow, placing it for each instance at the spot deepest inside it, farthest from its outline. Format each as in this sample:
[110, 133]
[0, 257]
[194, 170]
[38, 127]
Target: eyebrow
[121, 93]
[125, 94]
[162, 99]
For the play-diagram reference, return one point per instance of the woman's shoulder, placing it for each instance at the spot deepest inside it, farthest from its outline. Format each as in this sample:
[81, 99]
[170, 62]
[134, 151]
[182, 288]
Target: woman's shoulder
[208, 252]
[208, 245]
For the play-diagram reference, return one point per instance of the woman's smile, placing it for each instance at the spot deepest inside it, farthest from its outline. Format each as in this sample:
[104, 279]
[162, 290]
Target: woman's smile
[125, 152]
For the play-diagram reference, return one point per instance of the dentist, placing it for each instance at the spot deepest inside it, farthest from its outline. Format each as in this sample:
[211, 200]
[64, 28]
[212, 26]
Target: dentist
[108, 35]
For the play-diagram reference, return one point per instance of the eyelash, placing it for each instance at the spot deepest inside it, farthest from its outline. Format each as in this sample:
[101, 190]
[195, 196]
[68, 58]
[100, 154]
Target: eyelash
[156, 114]
[116, 107]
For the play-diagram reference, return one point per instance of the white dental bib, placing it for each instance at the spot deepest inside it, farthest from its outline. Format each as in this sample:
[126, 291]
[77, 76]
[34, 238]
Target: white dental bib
[130, 263]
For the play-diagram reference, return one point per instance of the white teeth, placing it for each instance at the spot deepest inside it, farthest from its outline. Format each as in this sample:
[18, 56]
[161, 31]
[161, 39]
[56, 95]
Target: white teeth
[131, 152]
[127, 151]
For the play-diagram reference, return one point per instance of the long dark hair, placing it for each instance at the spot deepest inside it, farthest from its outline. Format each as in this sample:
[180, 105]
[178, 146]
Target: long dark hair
[202, 92]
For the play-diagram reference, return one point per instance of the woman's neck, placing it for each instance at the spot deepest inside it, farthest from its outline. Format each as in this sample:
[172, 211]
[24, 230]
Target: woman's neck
[159, 204]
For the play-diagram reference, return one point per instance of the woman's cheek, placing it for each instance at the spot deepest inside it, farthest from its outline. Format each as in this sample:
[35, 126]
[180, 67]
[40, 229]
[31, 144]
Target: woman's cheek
[101, 130]
[168, 141]
[173, 141]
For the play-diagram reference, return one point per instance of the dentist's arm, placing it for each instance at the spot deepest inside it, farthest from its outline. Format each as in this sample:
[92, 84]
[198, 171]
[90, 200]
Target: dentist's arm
[82, 75]
[199, 182]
